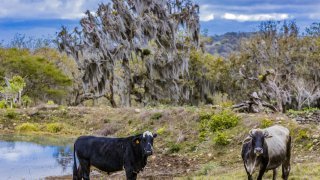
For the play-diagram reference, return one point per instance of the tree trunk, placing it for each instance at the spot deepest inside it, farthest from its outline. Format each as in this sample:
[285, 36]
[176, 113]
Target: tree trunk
[111, 96]
[126, 100]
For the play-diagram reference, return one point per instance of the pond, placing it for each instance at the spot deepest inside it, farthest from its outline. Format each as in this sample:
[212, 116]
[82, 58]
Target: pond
[33, 157]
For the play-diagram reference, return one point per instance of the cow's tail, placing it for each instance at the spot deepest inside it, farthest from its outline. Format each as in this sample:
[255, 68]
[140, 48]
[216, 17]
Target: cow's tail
[75, 169]
[289, 147]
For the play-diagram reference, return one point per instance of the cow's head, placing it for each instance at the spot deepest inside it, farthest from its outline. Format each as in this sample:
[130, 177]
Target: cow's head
[257, 137]
[145, 141]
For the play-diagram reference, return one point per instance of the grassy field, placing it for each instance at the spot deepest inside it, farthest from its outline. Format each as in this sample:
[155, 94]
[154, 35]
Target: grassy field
[193, 143]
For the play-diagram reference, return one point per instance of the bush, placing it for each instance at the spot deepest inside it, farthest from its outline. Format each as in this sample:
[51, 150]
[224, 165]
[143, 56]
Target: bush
[221, 139]
[50, 102]
[174, 148]
[266, 123]
[11, 113]
[302, 134]
[26, 100]
[223, 120]
[27, 127]
[161, 131]
[156, 116]
[3, 104]
[202, 135]
[54, 127]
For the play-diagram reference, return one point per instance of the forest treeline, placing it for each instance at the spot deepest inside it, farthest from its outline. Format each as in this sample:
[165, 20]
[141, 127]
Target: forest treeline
[279, 63]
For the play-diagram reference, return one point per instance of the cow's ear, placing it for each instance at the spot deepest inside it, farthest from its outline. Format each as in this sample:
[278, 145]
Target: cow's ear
[155, 135]
[266, 134]
[248, 139]
[136, 140]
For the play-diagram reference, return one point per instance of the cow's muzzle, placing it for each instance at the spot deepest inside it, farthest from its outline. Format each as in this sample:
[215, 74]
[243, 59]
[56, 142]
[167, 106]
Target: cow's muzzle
[258, 151]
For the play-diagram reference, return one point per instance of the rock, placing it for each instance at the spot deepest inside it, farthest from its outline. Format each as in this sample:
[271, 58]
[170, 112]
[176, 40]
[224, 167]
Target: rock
[14, 124]
[181, 138]
[315, 141]
[209, 155]
[137, 110]
[91, 129]
[1, 126]
[316, 136]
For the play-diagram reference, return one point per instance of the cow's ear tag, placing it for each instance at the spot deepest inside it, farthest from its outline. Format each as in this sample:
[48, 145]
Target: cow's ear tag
[137, 141]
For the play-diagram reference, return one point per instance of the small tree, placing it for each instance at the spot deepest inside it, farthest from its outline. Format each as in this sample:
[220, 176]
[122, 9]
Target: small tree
[12, 92]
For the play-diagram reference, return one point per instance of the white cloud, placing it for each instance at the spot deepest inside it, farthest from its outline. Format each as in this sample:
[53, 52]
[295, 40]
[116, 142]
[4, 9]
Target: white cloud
[206, 13]
[46, 9]
[255, 17]
[206, 17]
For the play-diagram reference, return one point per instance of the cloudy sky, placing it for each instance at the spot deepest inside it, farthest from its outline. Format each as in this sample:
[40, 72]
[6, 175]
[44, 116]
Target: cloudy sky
[45, 17]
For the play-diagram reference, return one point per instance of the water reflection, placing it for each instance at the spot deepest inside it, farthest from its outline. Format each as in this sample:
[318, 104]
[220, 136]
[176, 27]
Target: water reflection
[28, 160]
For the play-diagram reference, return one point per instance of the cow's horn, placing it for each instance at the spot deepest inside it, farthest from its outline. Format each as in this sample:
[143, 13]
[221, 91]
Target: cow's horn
[251, 133]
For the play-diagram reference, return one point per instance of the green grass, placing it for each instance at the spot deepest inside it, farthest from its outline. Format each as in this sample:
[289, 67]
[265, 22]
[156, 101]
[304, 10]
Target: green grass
[28, 127]
[54, 127]
[217, 132]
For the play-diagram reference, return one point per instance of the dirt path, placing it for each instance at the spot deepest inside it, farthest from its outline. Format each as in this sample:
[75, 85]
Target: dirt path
[158, 167]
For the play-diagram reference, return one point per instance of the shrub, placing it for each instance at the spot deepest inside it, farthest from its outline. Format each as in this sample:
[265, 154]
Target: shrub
[161, 131]
[211, 122]
[202, 135]
[207, 168]
[11, 113]
[302, 134]
[3, 104]
[266, 123]
[156, 116]
[50, 102]
[27, 127]
[54, 127]
[26, 100]
[106, 120]
[223, 120]
[174, 148]
[221, 139]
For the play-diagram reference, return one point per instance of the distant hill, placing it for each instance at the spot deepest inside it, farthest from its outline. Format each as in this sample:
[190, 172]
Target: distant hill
[224, 44]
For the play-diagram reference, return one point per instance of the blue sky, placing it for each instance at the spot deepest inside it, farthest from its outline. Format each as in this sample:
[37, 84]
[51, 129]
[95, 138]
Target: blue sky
[44, 17]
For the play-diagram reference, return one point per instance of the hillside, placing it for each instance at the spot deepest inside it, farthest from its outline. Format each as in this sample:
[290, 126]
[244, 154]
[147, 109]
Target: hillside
[226, 43]
[183, 148]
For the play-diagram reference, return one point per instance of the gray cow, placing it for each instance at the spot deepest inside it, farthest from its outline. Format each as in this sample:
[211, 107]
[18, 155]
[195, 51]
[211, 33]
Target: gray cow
[267, 149]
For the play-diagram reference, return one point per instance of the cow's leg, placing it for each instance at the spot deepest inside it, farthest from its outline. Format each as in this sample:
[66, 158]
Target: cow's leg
[286, 163]
[85, 169]
[79, 175]
[249, 176]
[274, 174]
[76, 173]
[131, 175]
[262, 171]
[285, 169]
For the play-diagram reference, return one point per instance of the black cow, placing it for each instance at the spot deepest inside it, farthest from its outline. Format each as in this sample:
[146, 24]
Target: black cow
[267, 149]
[112, 154]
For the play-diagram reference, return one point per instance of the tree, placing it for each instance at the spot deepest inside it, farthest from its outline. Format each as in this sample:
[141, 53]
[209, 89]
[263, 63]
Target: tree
[44, 81]
[127, 29]
[12, 92]
[280, 66]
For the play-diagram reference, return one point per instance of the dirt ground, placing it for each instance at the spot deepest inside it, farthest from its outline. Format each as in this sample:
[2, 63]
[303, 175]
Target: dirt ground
[158, 167]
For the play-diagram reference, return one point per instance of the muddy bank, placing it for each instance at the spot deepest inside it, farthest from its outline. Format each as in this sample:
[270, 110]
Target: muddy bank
[158, 167]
